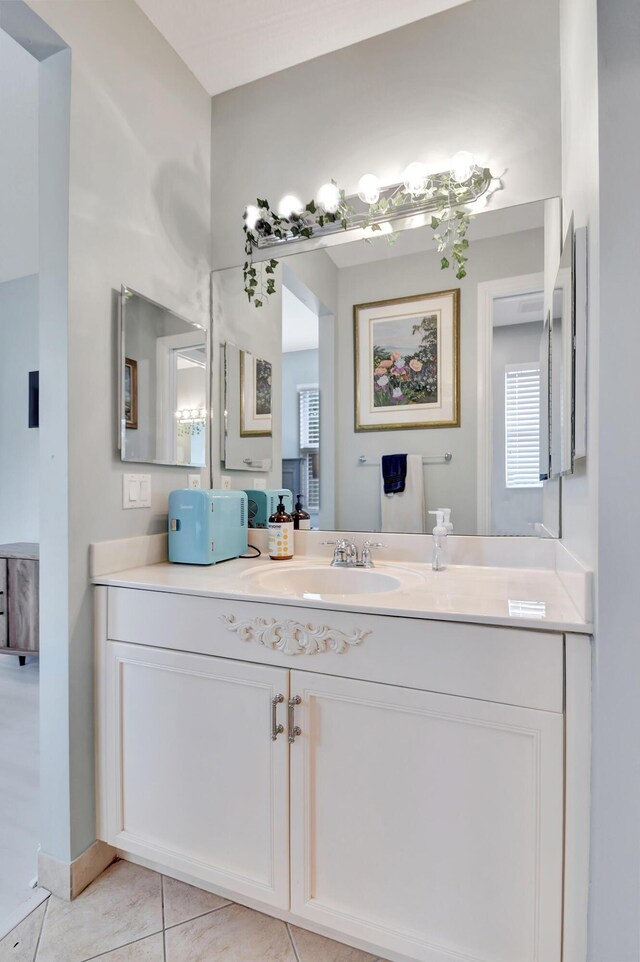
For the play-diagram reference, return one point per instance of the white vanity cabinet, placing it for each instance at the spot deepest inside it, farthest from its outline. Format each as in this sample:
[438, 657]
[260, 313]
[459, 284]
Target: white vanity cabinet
[420, 824]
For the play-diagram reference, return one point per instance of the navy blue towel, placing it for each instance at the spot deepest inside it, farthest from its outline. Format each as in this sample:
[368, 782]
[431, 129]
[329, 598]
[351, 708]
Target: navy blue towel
[394, 473]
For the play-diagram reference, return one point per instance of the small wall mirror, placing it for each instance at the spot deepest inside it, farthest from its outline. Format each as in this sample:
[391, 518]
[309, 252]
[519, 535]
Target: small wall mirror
[248, 425]
[164, 378]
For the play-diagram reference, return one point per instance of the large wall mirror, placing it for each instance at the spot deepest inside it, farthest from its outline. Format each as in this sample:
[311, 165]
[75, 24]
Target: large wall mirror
[164, 384]
[382, 353]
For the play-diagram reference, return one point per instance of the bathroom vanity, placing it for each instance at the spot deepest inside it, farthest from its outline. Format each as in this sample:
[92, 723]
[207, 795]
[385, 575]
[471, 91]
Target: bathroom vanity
[404, 767]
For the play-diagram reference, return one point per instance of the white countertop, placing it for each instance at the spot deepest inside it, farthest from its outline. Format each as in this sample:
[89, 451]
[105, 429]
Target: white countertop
[514, 597]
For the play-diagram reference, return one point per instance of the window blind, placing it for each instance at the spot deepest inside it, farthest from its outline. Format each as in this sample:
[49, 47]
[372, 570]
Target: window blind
[309, 409]
[309, 399]
[522, 425]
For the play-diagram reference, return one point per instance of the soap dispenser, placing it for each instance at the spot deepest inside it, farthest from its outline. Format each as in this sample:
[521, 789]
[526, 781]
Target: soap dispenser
[280, 534]
[447, 519]
[301, 518]
[439, 559]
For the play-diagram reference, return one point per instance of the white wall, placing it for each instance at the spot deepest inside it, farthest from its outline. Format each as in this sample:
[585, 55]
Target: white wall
[601, 138]
[580, 195]
[18, 160]
[298, 367]
[19, 454]
[483, 76]
[454, 484]
[139, 214]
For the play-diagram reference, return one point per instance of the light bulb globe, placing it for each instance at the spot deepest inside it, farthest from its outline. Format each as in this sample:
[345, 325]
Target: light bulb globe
[462, 166]
[251, 216]
[415, 178]
[289, 205]
[369, 189]
[329, 198]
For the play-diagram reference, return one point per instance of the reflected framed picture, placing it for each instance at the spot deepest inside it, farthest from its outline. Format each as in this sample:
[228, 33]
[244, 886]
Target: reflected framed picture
[406, 355]
[131, 393]
[255, 396]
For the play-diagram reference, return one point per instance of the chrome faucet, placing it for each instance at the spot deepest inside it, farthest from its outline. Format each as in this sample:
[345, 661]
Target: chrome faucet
[346, 553]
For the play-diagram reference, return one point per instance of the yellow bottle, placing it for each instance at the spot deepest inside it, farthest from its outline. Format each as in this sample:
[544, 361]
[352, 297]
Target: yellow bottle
[281, 534]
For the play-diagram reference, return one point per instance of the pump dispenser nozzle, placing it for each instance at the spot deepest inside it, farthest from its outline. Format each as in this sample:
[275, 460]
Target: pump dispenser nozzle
[438, 562]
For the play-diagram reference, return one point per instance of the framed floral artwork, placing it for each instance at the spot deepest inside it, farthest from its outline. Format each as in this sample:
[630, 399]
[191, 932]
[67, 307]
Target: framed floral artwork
[255, 396]
[131, 393]
[406, 353]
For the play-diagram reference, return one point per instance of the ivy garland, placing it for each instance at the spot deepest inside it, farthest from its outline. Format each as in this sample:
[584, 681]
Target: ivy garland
[449, 223]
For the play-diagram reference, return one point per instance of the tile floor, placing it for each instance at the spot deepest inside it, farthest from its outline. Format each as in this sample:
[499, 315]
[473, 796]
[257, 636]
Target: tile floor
[19, 777]
[131, 914]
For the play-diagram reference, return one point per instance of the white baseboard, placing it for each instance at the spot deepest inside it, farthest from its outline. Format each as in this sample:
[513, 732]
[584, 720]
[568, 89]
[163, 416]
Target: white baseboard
[67, 880]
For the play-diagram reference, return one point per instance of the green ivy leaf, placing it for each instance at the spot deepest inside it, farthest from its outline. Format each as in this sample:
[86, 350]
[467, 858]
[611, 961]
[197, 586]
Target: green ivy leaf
[444, 263]
[257, 303]
[461, 273]
[263, 204]
[344, 223]
[311, 207]
[435, 223]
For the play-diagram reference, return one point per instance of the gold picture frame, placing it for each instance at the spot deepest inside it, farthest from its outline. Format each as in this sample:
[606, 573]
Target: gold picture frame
[255, 396]
[131, 394]
[407, 362]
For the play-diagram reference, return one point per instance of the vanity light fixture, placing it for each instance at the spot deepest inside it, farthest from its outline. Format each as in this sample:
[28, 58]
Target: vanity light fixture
[188, 415]
[440, 200]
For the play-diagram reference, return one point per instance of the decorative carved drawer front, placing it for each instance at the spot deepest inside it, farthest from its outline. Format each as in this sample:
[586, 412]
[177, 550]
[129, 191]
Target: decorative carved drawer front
[294, 637]
[508, 665]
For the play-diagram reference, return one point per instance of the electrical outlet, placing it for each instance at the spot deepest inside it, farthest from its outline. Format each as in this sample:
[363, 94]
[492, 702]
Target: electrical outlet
[259, 484]
[225, 482]
[194, 481]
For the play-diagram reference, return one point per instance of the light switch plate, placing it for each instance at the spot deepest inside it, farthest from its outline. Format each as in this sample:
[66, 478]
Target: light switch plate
[259, 484]
[136, 491]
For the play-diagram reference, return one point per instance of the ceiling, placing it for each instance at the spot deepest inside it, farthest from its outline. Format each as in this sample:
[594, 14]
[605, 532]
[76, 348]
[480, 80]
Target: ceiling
[226, 43]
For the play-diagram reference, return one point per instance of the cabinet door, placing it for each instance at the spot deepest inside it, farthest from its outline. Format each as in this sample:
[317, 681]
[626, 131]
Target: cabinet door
[194, 779]
[4, 635]
[428, 824]
[23, 592]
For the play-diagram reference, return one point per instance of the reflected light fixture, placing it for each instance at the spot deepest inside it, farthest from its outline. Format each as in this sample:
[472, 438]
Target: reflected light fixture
[369, 189]
[415, 178]
[462, 166]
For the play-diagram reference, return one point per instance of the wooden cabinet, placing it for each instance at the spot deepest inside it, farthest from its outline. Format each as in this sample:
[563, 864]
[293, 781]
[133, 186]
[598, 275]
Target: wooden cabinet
[420, 824]
[19, 606]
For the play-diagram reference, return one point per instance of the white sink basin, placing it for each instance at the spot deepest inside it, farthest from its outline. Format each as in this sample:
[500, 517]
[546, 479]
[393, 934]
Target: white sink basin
[320, 581]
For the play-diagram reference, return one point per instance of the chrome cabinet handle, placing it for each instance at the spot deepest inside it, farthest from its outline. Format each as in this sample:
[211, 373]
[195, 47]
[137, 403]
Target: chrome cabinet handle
[294, 730]
[276, 729]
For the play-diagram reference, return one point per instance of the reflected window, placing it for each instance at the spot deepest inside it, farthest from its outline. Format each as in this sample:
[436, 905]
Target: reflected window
[522, 425]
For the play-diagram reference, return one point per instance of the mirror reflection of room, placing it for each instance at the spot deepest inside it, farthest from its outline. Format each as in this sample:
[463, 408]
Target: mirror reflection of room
[472, 445]
[301, 403]
[164, 384]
